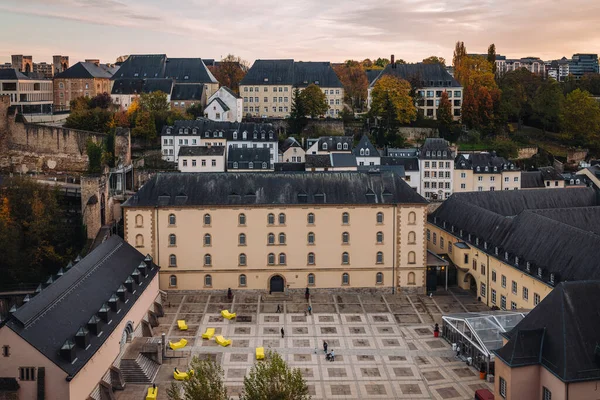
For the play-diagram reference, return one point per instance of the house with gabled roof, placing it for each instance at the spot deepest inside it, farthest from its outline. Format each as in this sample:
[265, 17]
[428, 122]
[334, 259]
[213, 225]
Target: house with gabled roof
[224, 105]
[366, 153]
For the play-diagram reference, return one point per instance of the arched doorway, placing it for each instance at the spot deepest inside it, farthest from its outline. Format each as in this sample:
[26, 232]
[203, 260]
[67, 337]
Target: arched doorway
[126, 335]
[472, 283]
[276, 284]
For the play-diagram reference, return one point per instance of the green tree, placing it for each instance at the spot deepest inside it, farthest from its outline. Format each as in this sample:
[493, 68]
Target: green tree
[353, 77]
[391, 101]
[195, 111]
[435, 60]
[381, 62]
[273, 379]
[314, 101]
[94, 153]
[145, 125]
[444, 111]
[154, 102]
[297, 120]
[491, 57]
[580, 117]
[206, 383]
[547, 105]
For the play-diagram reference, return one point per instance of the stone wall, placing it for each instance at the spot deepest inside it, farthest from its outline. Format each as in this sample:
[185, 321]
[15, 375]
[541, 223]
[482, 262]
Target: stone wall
[526, 152]
[576, 155]
[418, 134]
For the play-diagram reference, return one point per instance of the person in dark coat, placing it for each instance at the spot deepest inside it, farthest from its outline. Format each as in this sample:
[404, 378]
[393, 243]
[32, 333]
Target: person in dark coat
[325, 346]
[282, 333]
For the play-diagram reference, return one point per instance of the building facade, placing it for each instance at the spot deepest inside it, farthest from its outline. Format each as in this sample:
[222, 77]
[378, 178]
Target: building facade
[84, 79]
[582, 64]
[267, 88]
[484, 172]
[436, 164]
[431, 80]
[273, 231]
[366, 154]
[28, 95]
[201, 159]
[248, 159]
[291, 151]
[493, 242]
[203, 132]
[328, 144]
[224, 105]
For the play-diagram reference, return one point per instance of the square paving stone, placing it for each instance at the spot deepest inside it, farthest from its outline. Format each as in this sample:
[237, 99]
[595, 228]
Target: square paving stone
[301, 343]
[361, 343]
[271, 342]
[325, 318]
[411, 346]
[296, 308]
[410, 388]
[192, 318]
[407, 318]
[432, 376]
[236, 372]
[234, 390]
[340, 390]
[347, 298]
[424, 331]
[463, 372]
[239, 357]
[214, 318]
[381, 318]
[328, 330]
[271, 318]
[390, 342]
[215, 308]
[375, 390]
[337, 372]
[357, 330]
[311, 390]
[192, 307]
[298, 318]
[402, 372]
[371, 299]
[271, 330]
[302, 330]
[244, 318]
[245, 330]
[397, 358]
[302, 357]
[246, 308]
[370, 372]
[307, 372]
[208, 356]
[353, 318]
[365, 358]
[323, 308]
[219, 299]
[435, 344]
[239, 343]
[448, 392]
[350, 308]
[375, 308]
[420, 360]
[332, 343]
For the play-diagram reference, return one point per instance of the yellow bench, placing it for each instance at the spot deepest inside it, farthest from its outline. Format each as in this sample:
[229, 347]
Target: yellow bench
[227, 314]
[222, 341]
[182, 325]
[178, 345]
[209, 333]
[152, 393]
[182, 376]
[260, 353]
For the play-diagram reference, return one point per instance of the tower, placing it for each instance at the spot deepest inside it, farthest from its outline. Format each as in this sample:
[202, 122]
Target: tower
[61, 63]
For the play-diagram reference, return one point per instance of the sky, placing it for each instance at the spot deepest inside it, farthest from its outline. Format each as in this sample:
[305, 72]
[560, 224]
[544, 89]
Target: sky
[307, 30]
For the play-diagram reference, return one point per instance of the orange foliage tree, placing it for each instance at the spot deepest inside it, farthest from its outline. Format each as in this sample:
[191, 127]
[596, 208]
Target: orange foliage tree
[353, 77]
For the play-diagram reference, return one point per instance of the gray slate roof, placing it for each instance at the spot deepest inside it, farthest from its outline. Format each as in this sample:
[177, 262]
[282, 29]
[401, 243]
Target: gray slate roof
[288, 72]
[560, 333]
[134, 86]
[318, 161]
[187, 92]
[12, 74]
[143, 66]
[201, 151]
[372, 74]
[407, 152]
[289, 167]
[550, 174]
[87, 70]
[330, 143]
[221, 103]
[531, 180]
[243, 156]
[428, 75]
[397, 169]
[223, 129]
[205, 189]
[409, 163]
[188, 70]
[341, 160]
[365, 143]
[289, 143]
[481, 161]
[434, 145]
[58, 311]
[550, 229]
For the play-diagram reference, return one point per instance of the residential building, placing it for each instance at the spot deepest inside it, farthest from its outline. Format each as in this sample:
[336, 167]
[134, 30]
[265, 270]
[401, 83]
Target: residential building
[65, 342]
[267, 88]
[366, 153]
[248, 159]
[544, 177]
[412, 152]
[44, 70]
[432, 80]
[27, 95]
[331, 162]
[224, 105]
[553, 352]
[84, 79]
[532, 64]
[582, 64]
[186, 81]
[329, 144]
[564, 68]
[410, 169]
[291, 151]
[436, 164]
[485, 172]
[511, 248]
[591, 174]
[272, 231]
[204, 132]
[201, 159]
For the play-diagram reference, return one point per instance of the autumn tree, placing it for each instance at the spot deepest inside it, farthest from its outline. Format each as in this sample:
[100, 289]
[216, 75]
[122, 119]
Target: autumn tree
[230, 71]
[206, 383]
[381, 62]
[195, 111]
[580, 117]
[274, 379]
[145, 125]
[547, 105]
[460, 53]
[435, 60]
[481, 93]
[444, 111]
[154, 102]
[353, 77]
[314, 101]
[391, 104]
[491, 56]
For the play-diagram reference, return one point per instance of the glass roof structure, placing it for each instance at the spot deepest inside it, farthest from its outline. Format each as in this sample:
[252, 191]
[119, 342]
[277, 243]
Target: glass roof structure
[484, 329]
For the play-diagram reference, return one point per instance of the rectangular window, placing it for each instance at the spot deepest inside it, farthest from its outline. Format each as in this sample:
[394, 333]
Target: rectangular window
[482, 291]
[434, 238]
[514, 287]
[503, 302]
[463, 186]
[204, 163]
[466, 258]
[493, 275]
[193, 163]
[426, 164]
[185, 163]
[493, 296]
[482, 269]
[502, 388]
[428, 235]
[536, 299]
[546, 394]
[525, 293]
[463, 175]
[214, 163]
[503, 281]
[434, 164]
[5, 351]
[441, 242]
[513, 305]
[27, 373]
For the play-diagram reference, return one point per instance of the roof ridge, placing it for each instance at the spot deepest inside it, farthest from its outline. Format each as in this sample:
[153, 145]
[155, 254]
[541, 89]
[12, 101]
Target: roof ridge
[568, 226]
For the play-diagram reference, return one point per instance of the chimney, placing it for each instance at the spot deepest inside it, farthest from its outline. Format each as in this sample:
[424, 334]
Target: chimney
[93, 61]
[393, 61]
[67, 351]
[82, 337]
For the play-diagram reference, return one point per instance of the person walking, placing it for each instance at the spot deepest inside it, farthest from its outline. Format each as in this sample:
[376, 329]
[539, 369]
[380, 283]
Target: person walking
[332, 354]
[278, 308]
[309, 310]
[282, 333]
[325, 346]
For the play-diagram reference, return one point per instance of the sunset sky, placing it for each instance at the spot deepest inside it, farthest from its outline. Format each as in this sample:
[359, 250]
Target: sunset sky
[316, 30]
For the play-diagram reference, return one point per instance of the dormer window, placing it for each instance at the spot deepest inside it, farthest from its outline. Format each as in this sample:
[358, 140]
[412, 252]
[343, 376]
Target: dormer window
[528, 267]
[186, 131]
[220, 134]
[234, 135]
[478, 169]
[207, 134]
[345, 146]
[445, 153]
[339, 146]
[517, 261]
[362, 152]
[477, 241]
[486, 169]
[186, 77]
[264, 165]
[496, 250]
[366, 152]
[194, 131]
[250, 165]
[552, 279]
[215, 134]
[428, 154]
[136, 74]
[506, 255]
[439, 153]
[262, 135]
[255, 135]
[244, 135]
[168, 131]
[324, 146]
[539, 272]
[271, 135]
[235, 165]
[485, 245]
[495, 169]
[180, 131]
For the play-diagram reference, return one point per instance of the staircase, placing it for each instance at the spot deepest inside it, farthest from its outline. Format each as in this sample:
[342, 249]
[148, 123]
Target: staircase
[140, 370]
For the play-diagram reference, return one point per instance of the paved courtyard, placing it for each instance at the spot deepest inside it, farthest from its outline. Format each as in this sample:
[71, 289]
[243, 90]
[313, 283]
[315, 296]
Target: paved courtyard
[384, 343]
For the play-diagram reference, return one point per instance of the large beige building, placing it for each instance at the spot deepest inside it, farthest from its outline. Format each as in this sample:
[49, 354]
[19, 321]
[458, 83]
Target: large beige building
[484, 172]
[267, 88]
[84, 79]
[512, 247]
[273, 231]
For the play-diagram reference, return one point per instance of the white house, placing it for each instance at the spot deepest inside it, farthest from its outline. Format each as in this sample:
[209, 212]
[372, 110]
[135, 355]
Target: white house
[366, 154]
[329, 144]
[291, 151]
[201, 159]
[436, 163]
[224, 105]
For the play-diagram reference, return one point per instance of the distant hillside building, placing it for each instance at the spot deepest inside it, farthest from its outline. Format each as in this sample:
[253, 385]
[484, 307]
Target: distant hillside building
[28, 95]
[484, 172]
[431, 80]
[186, 81]
[268, 86]
[201, 159]
[84, 79]
[436, 163]
[224, 105]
